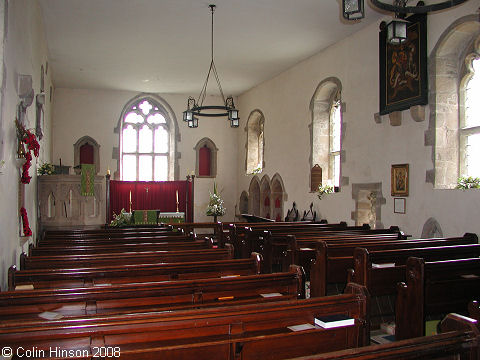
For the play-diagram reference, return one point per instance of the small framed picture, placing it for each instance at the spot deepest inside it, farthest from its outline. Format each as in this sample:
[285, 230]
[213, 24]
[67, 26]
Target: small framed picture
[399, 182]
[399, 205]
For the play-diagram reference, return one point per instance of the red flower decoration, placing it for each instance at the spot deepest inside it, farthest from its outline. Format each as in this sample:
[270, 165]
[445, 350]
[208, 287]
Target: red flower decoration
[30, 140]
[26, 227]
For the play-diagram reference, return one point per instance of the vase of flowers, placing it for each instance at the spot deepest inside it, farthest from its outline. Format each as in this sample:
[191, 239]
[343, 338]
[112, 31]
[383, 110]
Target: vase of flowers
[324, 189]
[215, 206]
[46, 169]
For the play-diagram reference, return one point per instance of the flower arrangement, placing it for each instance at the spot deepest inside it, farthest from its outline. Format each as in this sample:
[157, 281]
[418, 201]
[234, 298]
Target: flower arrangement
[2, 164]
[324, 189]
[215, 205]
[26, 227]
[46, 169]
[470, 182]
[122, 219]
[26, 137]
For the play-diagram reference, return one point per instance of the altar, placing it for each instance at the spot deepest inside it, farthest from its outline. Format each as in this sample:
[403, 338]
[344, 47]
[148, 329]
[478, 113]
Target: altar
[151, 202]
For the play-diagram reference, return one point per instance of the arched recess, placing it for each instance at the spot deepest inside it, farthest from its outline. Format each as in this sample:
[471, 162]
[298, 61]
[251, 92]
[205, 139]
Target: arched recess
[244, 203]
[82, 149]
[432, 229]
[254, 161]
[254, 196]
[265, 197]
[368, 204]
[446, 70]
[278, 197]
[206, 155]
[173, 131]
[326, 96]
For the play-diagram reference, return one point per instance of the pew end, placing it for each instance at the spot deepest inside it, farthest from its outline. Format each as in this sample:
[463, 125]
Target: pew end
[258, 259]
[457, 322]
[474, 310]
[298, 270]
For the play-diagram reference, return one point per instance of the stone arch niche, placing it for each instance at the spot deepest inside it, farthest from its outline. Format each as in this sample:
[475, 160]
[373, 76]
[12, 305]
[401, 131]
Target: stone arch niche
[254, 197]
[446, 68]
[368, 204]
[432, 229]
[265, 198]
[206, 155]
[244, 203]
[255, 142]
[278, 197]
[320, 108]
[86, 149]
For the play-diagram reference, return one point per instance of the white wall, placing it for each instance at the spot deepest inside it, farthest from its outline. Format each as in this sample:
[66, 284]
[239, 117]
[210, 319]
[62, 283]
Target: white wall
[370, 148]
[24, 53]
[80, 112]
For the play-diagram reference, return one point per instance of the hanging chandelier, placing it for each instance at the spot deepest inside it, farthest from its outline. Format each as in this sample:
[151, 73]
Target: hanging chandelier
[196, 108]
[397, 28]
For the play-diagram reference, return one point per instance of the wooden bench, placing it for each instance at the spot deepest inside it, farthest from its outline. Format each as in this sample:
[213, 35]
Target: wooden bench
[45, 250]
[256, 331]
[85, 277]
[459, 339]
[125, 258]
[333, 259]
[433, 288]
[152, 296]
[122, 240]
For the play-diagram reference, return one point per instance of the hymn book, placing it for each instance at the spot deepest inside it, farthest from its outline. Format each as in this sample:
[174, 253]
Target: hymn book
[333, 321]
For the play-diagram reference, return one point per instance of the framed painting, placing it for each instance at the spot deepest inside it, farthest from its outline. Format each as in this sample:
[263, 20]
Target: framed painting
[399, 181]
[403, 68]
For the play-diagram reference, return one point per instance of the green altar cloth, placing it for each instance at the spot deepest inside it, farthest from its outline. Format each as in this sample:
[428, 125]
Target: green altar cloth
[145, 217]
[171, 217]
[87, 183]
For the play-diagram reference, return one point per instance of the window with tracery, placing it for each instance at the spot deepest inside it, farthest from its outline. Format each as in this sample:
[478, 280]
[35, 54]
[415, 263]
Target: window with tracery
[144, 143]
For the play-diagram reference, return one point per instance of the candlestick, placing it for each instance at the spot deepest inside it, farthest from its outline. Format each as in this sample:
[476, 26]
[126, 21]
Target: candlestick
[177, 200]
[130, 200]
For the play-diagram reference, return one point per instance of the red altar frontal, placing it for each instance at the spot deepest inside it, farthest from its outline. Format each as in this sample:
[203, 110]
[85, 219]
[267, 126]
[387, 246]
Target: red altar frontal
[164, 196]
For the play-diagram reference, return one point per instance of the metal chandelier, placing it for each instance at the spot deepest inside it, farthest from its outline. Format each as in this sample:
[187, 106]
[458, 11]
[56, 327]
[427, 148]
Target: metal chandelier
[196, 108]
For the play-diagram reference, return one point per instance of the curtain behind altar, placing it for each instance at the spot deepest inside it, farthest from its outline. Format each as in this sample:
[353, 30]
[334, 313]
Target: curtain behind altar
[151, 195]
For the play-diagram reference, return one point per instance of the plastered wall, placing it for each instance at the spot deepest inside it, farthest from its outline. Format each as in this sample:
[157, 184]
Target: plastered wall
[370, 148]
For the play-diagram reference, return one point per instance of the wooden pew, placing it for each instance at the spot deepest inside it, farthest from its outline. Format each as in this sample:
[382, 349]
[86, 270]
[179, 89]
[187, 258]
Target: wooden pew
[380, 271]
[434, 288]
[118, 247]
[459, 339]
[170, 237]
[152, 296]
[333, 259]
[126, 258]
[474, 309]
[85, 277]
[256, 331]
[111, 233]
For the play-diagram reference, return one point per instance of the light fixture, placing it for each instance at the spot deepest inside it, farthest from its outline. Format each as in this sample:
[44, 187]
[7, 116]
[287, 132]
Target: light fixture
[196, 108]
[354, 10]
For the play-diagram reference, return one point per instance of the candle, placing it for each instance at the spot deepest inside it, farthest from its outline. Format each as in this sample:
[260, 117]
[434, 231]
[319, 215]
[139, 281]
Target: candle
[108, 171]
[177, 196]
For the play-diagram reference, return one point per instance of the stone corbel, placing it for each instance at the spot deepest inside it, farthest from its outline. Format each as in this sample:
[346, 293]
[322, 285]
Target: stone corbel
[418, 113]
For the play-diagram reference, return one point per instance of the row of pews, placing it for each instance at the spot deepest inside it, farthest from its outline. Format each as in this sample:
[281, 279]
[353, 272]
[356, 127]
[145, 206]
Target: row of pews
[167, 293]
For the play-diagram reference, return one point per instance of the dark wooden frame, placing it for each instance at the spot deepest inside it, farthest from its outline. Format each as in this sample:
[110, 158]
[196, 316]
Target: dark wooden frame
[411, 91]
[397, 171]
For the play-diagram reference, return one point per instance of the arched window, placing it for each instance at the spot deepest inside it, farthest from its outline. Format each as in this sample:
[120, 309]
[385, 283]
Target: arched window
[255, 142]
[206, 153]
[146, 142]
[470, 120]
[326, 134]
[454, 131]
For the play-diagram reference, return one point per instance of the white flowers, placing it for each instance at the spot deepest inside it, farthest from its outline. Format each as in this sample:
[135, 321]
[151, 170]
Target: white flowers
[215, 205]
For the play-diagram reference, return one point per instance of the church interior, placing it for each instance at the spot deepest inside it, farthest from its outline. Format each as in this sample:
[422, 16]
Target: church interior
[329, 147]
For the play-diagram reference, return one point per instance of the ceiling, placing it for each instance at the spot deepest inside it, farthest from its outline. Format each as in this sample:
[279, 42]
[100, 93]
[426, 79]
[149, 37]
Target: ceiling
[164, 45]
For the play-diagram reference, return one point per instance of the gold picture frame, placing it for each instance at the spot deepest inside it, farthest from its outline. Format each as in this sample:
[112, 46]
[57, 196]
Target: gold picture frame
[399, 181]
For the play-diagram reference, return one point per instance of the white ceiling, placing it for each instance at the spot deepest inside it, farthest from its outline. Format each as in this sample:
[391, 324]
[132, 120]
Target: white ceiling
[164, 45]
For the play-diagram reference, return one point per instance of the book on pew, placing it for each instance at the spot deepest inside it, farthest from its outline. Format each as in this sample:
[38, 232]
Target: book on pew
[383, 265]
[332, 321]
[301, 327]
